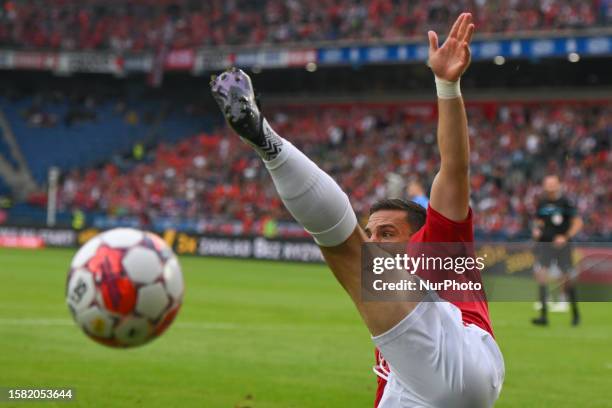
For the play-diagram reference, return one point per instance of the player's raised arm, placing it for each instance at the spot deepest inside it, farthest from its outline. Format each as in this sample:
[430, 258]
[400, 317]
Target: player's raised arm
[450, 189]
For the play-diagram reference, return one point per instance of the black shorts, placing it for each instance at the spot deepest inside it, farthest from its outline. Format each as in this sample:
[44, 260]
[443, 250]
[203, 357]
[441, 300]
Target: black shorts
[547, 254]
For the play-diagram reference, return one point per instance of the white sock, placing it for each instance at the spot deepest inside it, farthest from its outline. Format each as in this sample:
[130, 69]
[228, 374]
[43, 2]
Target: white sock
[313, 198]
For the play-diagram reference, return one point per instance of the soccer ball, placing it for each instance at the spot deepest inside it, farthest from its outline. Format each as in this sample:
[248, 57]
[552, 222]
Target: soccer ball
[124, 287]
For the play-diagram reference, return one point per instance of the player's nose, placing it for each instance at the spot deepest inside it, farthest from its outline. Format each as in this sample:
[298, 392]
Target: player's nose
[373, 238]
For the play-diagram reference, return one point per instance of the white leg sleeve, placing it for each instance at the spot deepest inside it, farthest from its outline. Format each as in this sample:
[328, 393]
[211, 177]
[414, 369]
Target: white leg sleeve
[312, 196]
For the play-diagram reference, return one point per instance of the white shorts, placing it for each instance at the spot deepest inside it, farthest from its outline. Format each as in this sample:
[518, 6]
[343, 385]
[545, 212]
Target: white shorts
[437, 361]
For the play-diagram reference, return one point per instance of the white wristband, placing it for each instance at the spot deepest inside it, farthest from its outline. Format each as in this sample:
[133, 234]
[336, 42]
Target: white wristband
[447, 89]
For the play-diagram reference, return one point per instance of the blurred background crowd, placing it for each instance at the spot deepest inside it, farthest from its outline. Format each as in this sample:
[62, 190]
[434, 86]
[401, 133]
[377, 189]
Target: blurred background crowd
[145, 24]
[160, 157]
[213, 183]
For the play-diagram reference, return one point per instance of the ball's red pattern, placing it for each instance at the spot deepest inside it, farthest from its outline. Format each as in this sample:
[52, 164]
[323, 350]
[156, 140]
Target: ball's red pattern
[105, 262]
[119, 294]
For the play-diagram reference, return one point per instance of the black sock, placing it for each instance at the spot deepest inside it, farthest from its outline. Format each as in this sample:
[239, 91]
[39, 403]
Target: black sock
[543, 299]
[571, 294]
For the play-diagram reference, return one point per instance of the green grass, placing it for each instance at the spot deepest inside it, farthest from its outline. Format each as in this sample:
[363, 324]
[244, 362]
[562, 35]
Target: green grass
[260, 334]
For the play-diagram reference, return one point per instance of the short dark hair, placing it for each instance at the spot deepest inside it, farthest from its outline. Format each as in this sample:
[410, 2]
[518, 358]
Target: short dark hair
[415, 214]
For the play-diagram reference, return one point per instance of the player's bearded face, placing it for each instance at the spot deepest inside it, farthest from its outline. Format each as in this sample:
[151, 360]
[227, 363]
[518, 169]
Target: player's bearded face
[388, 226]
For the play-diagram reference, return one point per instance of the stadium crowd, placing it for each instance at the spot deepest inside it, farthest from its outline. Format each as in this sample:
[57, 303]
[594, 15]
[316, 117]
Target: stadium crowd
[219, 185]
[145, 24]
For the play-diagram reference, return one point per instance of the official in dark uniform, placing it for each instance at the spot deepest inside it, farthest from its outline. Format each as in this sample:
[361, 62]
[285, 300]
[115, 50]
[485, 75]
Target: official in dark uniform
[556, 223]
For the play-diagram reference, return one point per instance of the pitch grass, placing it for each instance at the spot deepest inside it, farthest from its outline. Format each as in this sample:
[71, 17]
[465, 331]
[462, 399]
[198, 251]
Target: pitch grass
[261, 334]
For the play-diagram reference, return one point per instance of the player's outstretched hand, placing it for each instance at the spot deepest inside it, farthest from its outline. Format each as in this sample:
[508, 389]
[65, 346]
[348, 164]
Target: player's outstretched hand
[234, 94]
[450, 61]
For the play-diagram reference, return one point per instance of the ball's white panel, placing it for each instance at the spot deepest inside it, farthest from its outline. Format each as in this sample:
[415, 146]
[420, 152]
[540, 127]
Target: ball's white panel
[81, 290]
[133, 331]
[96, 322]
[142, 265]
[86, 252]
[174, 278]
[152, 300]
[122, 237]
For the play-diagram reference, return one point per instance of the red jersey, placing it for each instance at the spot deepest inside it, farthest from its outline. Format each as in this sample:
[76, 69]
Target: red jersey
[438, 228]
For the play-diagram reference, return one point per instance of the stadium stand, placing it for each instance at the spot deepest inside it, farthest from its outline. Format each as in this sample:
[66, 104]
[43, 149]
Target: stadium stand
[144, 24]
[67, 131]
[91, 136]
[5, 151]
[4, 189]
[212, 183]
